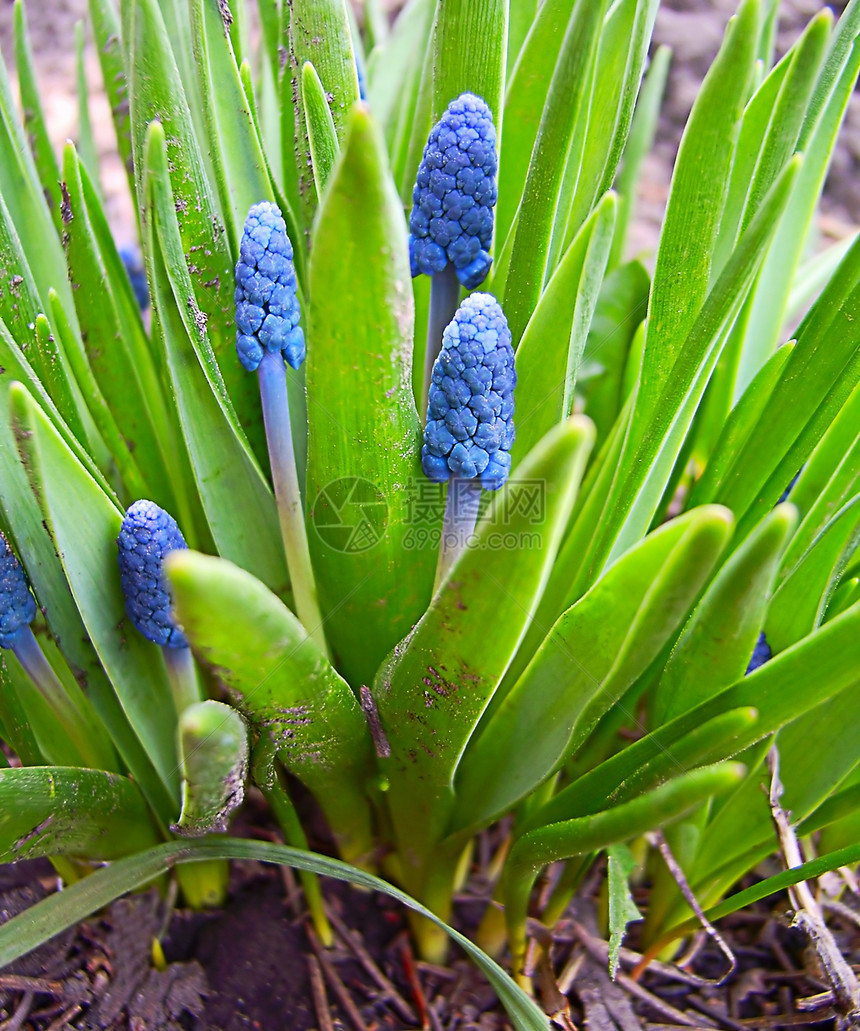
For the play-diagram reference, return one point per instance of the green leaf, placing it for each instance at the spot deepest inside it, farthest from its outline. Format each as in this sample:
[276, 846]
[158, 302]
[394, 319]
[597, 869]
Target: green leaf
[599, 139]
[239, 505]
[282, 682]
[34, 117]
[829, 478]
[373, 575]
[213, 751]
[27, 206]
[470, 48]
[799, 603]
[119, 361]
[57, 810]
[763, 889]
[36, 925]
[739, 426]
[433, 690]
[19, 305]
[715, 647]
[695, 205]
[639, 143]
[156, 93]
[792, 683]
[16, 727]
[234, 147]
[322, 137]
[319, 33]
[565, 99]
[84, 523]
[623, 493]
[816, 755]
[592, 655]
[107, 36]
[771, 126]
[622, 909]
[817, 141]
[86, 140]
[550, 352]
[525, 99]
[818, 377]
[658, 808]
[394, 75]
[620, 310]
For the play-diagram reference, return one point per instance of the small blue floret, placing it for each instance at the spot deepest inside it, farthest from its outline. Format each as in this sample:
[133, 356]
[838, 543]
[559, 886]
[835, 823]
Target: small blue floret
[147, 536]
[267, 305]
[761, 654]
[455, 193]
[17, 604]
[470, 409]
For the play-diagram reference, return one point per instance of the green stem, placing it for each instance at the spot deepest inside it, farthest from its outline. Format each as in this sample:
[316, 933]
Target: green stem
[272, 374]
[182, 674]
[288, 820]
[32, 658]
[444, 297]
[458, 527]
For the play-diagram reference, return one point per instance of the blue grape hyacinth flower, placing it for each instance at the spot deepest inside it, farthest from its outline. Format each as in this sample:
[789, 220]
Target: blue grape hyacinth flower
[148, 534]
[132, 259]
[455, 193]
[268, 334]
[267, 304]
[17, 604]
[470, 425]
[761, 654]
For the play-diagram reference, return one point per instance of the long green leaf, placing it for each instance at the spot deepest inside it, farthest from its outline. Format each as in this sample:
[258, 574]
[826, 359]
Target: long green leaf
[373, 575]
[550, 352]
[715, 647]
[565, 100]
[239, 505]
[234, 147]
[470, 46]
[792, 683]
[34, 116]
[156, 93]
[26, 931]
[318, 32]
[322, 136]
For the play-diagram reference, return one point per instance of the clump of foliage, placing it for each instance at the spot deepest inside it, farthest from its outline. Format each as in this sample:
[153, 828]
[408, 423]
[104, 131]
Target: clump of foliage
[619, 581]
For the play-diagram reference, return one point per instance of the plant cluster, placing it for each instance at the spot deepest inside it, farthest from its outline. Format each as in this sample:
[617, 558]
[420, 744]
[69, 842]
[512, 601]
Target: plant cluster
[582, 659]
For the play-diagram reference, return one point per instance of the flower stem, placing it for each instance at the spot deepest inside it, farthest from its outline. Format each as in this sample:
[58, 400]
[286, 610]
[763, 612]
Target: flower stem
[37, 667]
[182, 674]
[444, 296]
[288, 819]
[458, 527]
[272, 374]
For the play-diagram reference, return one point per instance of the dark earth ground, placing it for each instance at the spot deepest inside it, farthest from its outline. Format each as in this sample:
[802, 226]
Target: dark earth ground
[254, 964]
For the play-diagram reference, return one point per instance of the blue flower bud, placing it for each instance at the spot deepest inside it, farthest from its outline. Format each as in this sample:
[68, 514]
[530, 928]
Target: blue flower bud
[147, 535]
[470, 427]
[17, 604]
[455, 193]
[761, 654]
[132, 259]
[267, 305]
